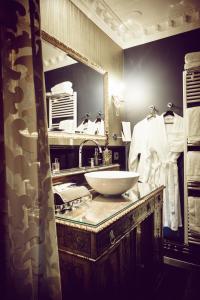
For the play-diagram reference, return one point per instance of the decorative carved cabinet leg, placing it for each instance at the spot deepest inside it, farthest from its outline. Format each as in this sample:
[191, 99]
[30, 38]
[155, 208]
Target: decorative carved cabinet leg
[158, 231]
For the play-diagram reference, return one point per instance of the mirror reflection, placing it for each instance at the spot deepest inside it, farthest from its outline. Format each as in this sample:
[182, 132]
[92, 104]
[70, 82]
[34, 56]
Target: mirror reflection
[75, 93]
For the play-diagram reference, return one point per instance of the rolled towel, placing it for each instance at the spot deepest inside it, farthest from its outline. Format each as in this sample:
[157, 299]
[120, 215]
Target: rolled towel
[193, 124]
[194, 215]
[193, 166]
[70, 193]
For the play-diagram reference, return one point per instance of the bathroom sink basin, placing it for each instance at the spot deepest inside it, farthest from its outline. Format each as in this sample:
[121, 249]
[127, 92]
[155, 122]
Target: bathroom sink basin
[111, 182]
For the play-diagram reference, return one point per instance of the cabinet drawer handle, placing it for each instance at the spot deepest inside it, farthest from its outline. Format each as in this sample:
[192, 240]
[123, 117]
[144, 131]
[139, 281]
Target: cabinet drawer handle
[112, 237]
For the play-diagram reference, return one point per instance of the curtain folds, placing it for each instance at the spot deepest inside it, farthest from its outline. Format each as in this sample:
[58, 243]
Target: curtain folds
[28, 244]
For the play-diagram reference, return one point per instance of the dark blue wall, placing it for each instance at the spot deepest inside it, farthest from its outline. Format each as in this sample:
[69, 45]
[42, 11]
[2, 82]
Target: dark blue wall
[156, 70]
[68, 155]
[153, 74]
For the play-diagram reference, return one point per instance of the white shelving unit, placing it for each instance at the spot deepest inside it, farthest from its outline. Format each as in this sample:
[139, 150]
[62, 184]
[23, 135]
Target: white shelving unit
[191, 98]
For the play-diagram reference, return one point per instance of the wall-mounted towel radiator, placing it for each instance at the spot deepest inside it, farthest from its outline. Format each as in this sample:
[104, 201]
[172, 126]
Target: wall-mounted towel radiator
[62, 107]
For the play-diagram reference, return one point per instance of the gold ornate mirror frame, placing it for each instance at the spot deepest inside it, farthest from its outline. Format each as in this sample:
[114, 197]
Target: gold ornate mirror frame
[79, 57]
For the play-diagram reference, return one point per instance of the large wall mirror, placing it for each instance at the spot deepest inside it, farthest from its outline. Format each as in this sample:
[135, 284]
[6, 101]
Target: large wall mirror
[76, 91]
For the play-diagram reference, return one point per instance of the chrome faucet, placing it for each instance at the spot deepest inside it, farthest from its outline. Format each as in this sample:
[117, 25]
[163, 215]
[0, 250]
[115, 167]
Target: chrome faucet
[81, 148]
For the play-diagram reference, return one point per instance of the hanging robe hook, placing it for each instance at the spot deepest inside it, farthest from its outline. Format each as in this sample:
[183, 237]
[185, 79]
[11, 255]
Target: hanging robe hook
[170, 105]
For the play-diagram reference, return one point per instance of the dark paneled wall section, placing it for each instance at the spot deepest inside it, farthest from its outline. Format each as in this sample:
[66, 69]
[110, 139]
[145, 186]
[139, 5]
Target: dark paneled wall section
[68, 155]
[86, 82]
[153, 76]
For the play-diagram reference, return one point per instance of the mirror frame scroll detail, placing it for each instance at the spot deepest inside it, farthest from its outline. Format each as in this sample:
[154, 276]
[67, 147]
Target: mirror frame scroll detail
[79, 57]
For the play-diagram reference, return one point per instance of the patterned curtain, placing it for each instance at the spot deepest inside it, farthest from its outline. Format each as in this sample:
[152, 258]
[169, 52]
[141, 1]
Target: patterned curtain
[29, 264]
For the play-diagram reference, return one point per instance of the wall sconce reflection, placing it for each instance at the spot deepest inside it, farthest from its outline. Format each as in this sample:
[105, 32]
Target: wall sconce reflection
[117, 101]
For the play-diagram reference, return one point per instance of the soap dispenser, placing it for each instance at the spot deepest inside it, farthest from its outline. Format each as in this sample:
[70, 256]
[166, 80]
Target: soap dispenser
[107, 154]
[96, 157]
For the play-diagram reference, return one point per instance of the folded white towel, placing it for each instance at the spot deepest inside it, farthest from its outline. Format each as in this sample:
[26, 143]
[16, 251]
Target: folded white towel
[192, 65]
[194, 214]
[193, 166]
[192, 57]
[193, 124]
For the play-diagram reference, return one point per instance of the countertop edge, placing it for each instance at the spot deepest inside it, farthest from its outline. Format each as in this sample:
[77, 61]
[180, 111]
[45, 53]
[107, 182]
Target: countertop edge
[114, 218]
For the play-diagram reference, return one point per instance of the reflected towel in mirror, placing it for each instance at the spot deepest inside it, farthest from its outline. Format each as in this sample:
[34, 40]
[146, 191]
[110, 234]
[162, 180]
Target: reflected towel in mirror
[67, 126]
[62, 87]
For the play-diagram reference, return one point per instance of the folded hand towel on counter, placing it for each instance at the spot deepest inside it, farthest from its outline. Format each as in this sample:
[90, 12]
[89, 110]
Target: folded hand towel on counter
[193, 166]
[72, 193]
[193, 124]
[194, 215]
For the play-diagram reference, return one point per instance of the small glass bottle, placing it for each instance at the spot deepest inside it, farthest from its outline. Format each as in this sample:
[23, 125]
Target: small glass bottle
[56, 166]
[96, 157]
[91, 160]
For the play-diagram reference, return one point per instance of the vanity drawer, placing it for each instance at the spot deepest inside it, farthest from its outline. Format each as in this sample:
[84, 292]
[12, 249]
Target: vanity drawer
[110, 235]
[74, 240]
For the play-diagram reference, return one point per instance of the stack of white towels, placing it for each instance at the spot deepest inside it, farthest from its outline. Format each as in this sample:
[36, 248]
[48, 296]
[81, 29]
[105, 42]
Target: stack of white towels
[193, 124]
[192, 60]
[62, 87]
[194, 215]
[193, 166]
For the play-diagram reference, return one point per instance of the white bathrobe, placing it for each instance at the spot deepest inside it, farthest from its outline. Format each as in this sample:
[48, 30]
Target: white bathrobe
[139, 143]
[165, 145]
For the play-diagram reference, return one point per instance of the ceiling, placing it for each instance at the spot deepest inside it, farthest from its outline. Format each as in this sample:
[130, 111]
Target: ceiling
[133, 22]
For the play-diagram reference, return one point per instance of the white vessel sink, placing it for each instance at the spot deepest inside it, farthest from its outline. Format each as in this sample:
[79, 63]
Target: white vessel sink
[111, 182]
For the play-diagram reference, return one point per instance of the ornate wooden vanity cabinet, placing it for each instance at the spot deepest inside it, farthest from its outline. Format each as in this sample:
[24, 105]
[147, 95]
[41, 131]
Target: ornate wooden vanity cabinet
[104, 243]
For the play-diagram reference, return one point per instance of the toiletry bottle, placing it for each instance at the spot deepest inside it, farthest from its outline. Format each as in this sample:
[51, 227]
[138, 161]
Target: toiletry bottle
[91, 162]
[56, 166]
[107, 154]
[96, 157]
[107, 157]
